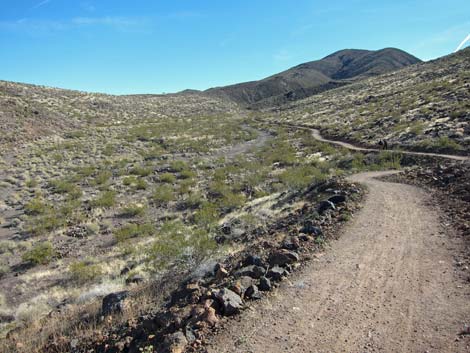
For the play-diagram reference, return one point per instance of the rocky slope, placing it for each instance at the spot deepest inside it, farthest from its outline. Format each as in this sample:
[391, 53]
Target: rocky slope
[421, 107]
[301, 81]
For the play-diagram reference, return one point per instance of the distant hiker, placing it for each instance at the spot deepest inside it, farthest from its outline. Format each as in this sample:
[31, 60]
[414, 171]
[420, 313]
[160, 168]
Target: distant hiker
[383, 144]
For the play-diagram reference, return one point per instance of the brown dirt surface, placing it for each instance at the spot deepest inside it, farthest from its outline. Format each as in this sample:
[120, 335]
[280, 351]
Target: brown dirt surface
[388, 284]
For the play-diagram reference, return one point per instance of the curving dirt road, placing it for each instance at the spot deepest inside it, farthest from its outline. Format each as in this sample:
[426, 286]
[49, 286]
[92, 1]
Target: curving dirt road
[387, 285]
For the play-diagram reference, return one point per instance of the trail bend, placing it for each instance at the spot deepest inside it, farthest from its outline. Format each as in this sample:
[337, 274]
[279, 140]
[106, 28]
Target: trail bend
[386, 285]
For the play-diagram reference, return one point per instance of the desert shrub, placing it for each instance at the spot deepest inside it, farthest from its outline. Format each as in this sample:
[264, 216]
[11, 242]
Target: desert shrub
[74, 134]
[35, 206]
[46, 222]
[133, 210]
[84, 271]
[141, 171]
[358, 161]
[40, 254]
[389, 160]
[31, 183]
[207, 214]
[133, 230]
[301, 176]
[65, 187]
[163, 194]
[178, 166]
[442, 143]
[231, 200]
[86, 171]
[167, 178]
[109, 150]
[106, 199]
[102, 177]
[130, 180]
[187, 174]
[7, 246]
[4, 269]
[176, 241]
[141, 184]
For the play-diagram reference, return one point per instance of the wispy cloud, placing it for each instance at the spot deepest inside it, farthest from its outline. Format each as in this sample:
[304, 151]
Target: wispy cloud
[35, 27]
[282, 56]
[40, 4]
[88, 7]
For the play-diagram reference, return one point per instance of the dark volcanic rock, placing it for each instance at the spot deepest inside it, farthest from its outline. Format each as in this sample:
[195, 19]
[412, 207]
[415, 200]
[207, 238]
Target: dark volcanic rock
[114, 303]
[337, 199]
[252, 292]
[311, 229]
[265, 284]
[283, 257]
[253, 260]
[175, 343]
[230, 301]
[324, 206]
[276, 273]
[251, 271]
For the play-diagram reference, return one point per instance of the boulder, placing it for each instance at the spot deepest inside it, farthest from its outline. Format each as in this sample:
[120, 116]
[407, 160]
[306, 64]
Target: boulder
[276, 273]
[291, 243]
[253, 260]
[230, 301]
[252, 292]
[337, 199]
[114, 303]
[310, 229]
[283, 257]
[252, 271]
[324, 206]
[265, 284]
[175, 343]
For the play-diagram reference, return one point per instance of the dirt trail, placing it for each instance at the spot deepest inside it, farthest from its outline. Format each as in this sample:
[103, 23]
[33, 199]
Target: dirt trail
[387, 285]
[317, 136]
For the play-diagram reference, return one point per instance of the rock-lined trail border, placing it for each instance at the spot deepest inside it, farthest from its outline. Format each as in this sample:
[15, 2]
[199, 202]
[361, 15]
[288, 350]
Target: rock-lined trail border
[386, 285]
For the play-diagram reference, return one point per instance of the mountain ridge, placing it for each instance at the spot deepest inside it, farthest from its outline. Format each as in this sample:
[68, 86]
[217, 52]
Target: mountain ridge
[312, 77]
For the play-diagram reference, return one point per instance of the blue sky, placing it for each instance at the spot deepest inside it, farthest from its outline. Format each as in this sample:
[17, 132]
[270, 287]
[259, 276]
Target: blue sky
[154, 46]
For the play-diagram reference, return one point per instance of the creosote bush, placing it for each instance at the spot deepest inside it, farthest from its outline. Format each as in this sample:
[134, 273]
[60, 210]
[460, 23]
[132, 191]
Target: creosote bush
[39, 254]
[133, 230]
[84, 271]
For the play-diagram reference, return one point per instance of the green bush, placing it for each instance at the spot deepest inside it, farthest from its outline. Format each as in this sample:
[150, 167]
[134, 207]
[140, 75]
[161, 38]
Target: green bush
[175, 241]
[141, 171]
[206, 215]
[40, 254]
[35, 207]
[302, 176]
[178, 166]
[133, 230]
[106, 199]
[102, 177]
[133, 211]
[163, 194]
[167, 178]
[65, 187]
[84, 271]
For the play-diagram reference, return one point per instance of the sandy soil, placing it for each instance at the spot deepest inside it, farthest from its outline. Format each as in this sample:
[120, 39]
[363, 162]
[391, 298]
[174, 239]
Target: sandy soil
[387, 285]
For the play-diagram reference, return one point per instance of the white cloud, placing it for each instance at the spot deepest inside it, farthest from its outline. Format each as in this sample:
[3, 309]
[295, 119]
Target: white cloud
[282, 55]
[35, 27]
[40, 4]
